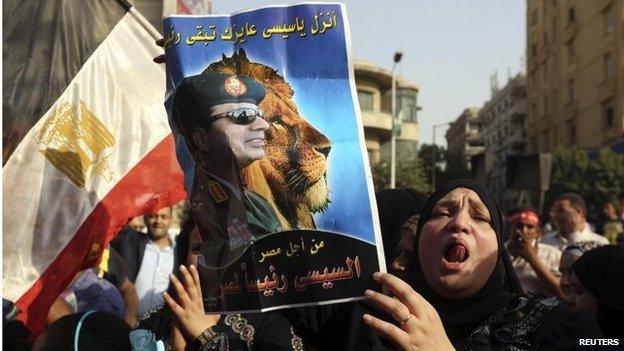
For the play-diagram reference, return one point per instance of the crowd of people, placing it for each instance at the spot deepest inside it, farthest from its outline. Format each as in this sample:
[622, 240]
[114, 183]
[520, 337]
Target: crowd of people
[462, 276]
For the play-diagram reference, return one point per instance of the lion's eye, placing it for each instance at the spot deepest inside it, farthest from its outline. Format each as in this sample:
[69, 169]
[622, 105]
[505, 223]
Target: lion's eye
[276, 120]
[277, 123]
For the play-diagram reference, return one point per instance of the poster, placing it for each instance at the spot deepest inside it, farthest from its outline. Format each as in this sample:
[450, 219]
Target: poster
[269, 134]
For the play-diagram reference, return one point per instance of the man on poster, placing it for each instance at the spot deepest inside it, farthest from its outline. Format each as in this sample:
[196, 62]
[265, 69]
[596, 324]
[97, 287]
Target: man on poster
[224, 129]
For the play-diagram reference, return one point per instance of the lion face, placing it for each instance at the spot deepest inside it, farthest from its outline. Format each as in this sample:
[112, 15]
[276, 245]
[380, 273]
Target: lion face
[296, 154]
[293, 174]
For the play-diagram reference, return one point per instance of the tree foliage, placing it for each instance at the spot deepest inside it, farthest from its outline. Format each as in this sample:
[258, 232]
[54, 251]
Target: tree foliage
[425, 154]
[410, 173]
[598, 177]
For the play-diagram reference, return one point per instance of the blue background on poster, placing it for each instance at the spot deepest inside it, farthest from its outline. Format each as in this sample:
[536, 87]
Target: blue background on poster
[317, 69]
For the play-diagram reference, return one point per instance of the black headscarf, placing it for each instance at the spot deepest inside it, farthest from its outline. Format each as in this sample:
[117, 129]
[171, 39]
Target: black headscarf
[601, 271]
[461, 317]
[395, 206]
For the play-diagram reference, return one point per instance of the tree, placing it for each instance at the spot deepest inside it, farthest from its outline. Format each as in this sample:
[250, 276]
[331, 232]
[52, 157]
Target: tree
[425, 154]
[598, 178]
[410, 173]
[455, 168]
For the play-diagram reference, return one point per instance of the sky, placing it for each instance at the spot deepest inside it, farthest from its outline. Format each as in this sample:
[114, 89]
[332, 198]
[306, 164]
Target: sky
[450, 48]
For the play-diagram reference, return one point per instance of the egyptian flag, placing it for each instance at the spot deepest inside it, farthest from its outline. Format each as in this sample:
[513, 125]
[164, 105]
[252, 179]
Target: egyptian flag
[87, 145]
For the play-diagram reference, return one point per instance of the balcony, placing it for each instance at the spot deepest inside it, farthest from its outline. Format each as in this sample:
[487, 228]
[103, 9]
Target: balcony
[606, 89]
[474, 150]
[569, 31]
[378, 121]
[472, 135]
[570, 110]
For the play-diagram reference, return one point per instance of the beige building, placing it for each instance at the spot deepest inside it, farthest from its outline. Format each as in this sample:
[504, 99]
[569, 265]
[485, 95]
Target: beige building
[374, 89]
[464, 135]
[503, 135]
[575, 73]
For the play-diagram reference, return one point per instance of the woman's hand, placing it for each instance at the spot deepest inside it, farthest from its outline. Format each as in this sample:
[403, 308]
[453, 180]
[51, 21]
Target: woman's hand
[189, 309]
[160, 58]
[418, 324]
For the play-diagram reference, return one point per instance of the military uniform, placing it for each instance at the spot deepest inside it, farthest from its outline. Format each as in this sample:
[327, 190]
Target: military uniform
[228, 216]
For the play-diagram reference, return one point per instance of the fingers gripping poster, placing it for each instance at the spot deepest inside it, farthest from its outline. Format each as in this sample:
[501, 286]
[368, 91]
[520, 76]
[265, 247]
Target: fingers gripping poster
[268, 132]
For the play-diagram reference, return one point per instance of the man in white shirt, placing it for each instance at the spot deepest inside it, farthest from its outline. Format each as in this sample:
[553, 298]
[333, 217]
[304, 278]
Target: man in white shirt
[157, 262]
[569, 213]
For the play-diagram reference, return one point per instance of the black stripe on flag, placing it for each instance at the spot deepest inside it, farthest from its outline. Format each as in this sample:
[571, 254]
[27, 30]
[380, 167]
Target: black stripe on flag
[45, 43]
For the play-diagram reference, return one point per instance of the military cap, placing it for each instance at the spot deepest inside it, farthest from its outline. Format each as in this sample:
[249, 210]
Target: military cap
[196, 94]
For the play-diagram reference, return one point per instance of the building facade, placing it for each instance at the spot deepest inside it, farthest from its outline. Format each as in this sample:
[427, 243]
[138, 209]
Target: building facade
[575, 74]
[463, 137]
[374, 90]
[503, 134]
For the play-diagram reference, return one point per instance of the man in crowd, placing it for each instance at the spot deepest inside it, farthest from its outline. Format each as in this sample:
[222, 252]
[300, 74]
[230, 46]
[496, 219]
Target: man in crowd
[569, 213]
[138, 224]
[536, 264]
[622, 205]
[613, 224]
[149, 259]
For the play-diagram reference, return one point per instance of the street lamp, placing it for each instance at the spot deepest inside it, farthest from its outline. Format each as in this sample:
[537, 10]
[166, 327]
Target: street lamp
[433, 153]
[397, 59]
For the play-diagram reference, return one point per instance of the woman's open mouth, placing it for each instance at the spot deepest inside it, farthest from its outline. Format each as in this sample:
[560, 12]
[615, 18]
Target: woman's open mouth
[455, 255]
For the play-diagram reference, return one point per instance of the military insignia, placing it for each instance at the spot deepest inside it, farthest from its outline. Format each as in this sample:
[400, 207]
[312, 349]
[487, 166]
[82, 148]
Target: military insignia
[217, 192]
[74, 140]
[234, 86]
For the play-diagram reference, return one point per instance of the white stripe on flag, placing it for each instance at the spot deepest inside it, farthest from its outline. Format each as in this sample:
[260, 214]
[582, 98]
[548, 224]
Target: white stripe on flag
[43, 208]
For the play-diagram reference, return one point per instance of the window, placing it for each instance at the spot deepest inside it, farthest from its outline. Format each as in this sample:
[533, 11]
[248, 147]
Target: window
[609, 115]
[609, 20]
[366, 100]
[571, 50]
[534, 17]
[572, 132]
[406, 105]
[571, 15]
[545, 139]
[534, 51]
[554, 136]
[571, 90]
[608, 66]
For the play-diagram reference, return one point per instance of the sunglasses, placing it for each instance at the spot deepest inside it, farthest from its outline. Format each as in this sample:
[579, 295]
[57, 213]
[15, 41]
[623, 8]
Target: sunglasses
[242, 116]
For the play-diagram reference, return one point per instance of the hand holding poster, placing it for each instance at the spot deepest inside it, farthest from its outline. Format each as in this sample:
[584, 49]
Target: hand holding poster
[262, 105]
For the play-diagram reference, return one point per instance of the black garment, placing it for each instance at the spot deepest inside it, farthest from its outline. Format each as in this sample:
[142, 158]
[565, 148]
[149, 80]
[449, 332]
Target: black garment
[531, 323]
[253, 332]
[337, 327]
[117, 272]
[130, 245]
[601, 271]
[395, 206]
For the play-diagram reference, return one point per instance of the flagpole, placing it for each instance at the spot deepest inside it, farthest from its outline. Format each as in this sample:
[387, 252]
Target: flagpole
[139, 17]
[145, 23]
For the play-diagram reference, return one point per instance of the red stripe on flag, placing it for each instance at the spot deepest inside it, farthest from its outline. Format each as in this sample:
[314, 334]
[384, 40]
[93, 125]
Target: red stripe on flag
[157, 173]
[183, 9]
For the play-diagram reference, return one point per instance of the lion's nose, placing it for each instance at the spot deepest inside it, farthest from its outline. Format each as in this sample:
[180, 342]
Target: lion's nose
[324, 150]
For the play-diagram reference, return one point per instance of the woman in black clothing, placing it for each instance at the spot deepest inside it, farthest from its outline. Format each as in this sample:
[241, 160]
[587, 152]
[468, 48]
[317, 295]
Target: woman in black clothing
[183, 325]
[597, 286]
[462, 292]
